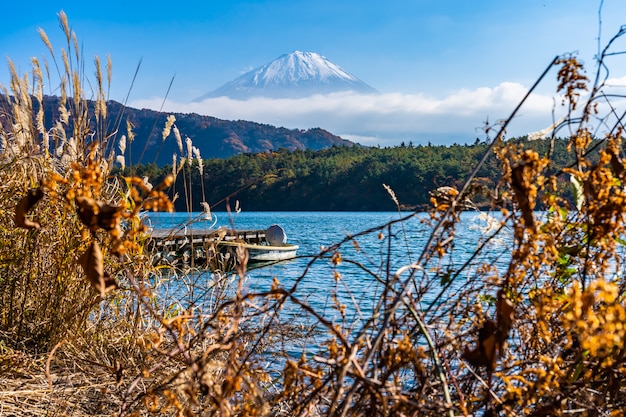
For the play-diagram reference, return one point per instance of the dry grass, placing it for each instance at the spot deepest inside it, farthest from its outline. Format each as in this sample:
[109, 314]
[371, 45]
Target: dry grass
[89, 327]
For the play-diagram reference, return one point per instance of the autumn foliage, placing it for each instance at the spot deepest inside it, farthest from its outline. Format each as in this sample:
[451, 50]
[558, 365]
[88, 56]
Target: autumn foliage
[89, 325]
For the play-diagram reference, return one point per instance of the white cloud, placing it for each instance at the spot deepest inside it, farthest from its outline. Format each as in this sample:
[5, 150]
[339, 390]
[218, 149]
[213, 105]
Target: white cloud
[616, 82]
[385, 119]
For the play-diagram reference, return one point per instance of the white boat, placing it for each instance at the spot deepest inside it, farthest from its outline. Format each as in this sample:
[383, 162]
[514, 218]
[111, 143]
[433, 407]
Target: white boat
[263, 253]
[263, 245]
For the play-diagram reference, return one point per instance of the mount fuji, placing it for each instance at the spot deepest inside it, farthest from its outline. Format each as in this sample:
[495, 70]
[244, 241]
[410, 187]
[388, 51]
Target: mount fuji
[294, 75]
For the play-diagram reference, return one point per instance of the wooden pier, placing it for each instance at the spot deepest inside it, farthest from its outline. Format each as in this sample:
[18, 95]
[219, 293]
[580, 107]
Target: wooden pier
[215, 249]
[201, 248]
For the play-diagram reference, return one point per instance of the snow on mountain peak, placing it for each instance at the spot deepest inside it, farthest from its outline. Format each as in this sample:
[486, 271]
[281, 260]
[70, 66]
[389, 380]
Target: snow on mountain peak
[299, 66]
[298, 74]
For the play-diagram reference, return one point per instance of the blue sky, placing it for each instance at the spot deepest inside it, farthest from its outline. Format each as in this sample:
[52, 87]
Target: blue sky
[443, 67]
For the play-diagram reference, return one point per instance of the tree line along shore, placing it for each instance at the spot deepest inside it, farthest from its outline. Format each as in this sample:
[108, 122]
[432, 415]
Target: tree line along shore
[343, 178]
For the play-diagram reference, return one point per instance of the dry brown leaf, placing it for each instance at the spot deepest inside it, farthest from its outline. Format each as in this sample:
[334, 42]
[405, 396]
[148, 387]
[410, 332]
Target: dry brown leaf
[109, 216]
[93, 265]
[616, 164]
[88, 211]
[24, 206]
[484, 354]
[96, 214]
[504, 316]
[521, 196]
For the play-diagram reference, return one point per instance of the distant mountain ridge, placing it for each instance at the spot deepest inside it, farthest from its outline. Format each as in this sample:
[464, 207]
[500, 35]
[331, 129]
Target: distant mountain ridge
[215, 138]
[294, 75]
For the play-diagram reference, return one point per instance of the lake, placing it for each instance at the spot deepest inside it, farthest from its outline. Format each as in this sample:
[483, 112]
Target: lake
[355, 282]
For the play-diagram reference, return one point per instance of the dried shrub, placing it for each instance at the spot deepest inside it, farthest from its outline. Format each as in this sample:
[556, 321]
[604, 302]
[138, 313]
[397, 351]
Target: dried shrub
[540, 333]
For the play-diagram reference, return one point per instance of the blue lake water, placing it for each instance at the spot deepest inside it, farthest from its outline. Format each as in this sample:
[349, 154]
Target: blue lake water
[345, 295]
[367, 259]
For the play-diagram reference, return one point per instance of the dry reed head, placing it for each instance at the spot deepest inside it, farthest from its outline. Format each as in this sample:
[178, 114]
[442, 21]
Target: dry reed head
[43, 287]
[75, 279]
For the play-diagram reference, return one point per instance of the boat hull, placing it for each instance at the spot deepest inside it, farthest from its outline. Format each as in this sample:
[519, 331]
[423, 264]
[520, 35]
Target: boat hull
[263, 253]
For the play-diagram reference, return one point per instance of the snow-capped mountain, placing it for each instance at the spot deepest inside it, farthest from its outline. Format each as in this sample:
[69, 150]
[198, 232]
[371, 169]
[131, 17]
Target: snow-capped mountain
[298, 74]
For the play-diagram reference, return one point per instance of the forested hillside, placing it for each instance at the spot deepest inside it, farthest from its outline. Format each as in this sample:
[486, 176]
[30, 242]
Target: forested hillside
[215, 138]
[339, 179]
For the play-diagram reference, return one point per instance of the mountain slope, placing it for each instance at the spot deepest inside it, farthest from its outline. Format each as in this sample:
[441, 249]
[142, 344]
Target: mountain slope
[298, 74]
[215, 138]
